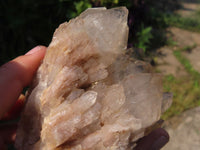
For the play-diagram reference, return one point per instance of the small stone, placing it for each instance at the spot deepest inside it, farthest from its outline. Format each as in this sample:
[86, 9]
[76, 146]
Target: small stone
[87, 93]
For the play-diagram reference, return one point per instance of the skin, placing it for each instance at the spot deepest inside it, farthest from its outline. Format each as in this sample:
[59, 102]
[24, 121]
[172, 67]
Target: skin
[18, 73]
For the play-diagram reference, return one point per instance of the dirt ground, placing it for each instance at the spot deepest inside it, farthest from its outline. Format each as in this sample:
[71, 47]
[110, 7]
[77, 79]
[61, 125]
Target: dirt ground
[184, 130]
[167, 62]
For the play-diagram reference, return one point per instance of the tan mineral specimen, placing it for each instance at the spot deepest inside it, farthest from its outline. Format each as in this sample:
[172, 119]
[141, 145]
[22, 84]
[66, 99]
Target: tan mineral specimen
[87, 93]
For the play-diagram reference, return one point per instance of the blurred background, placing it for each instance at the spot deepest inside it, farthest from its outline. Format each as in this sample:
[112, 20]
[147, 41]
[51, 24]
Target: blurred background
[166, 33]
[25, 24]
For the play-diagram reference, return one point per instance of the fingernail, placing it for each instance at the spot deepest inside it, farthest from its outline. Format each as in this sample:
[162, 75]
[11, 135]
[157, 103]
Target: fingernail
[159, 143]
[37, 48]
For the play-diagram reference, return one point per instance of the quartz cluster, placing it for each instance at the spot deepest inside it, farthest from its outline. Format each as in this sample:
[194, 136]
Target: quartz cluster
[87, 93]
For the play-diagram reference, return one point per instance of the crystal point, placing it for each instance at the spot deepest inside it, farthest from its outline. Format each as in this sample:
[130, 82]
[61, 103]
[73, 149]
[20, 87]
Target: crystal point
[87, 93]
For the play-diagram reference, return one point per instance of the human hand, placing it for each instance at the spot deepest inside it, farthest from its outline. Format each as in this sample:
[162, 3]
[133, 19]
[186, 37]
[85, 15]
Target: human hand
[18, 73]
[154, 141]
[14, 76]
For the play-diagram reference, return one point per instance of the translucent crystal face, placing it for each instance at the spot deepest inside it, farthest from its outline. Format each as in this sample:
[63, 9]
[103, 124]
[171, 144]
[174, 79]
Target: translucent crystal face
[87, 94]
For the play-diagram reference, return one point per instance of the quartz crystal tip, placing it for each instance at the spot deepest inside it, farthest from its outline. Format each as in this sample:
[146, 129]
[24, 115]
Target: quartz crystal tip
[87, 93]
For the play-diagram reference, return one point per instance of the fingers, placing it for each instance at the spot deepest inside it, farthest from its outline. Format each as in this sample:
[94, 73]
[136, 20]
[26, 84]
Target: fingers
[15, 111]
[17, 74]
[154, 141]
[2, 144]
[7, 135]
[8, 132]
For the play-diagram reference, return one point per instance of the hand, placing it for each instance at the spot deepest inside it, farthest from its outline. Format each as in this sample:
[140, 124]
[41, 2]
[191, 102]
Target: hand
[18, 73]
[154, 141]
[14, 76]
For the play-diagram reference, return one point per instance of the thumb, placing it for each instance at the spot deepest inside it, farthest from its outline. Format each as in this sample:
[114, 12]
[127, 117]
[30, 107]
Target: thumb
[17, 74]
[154, 141]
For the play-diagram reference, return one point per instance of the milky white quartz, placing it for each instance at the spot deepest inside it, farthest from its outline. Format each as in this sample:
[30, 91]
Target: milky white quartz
[87, 93]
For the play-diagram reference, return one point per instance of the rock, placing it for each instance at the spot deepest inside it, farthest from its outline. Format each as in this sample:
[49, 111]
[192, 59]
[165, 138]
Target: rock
[87, 93]
[184, 130]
